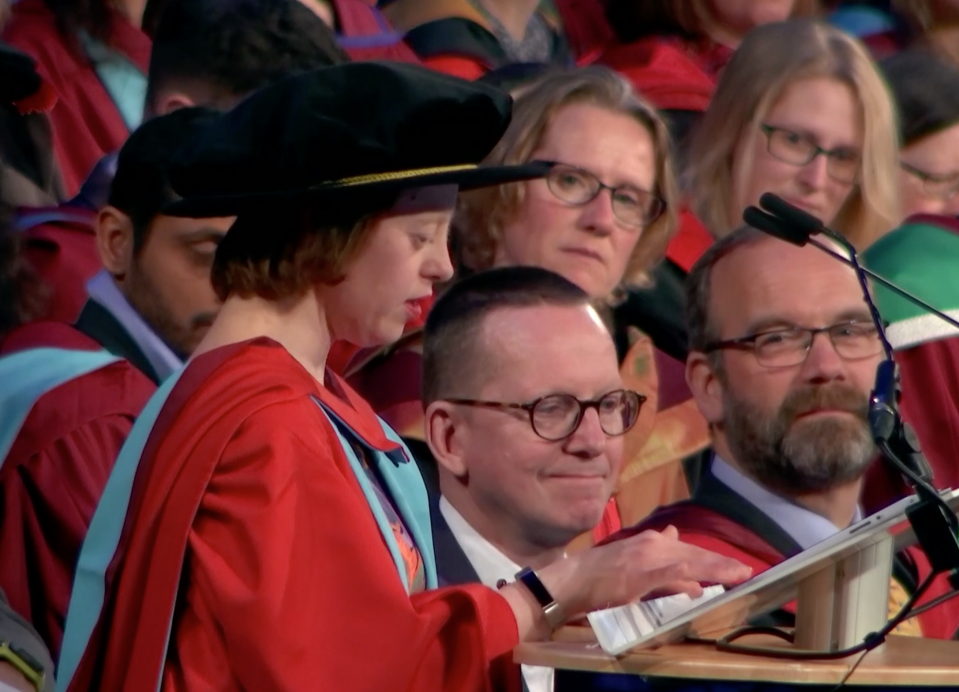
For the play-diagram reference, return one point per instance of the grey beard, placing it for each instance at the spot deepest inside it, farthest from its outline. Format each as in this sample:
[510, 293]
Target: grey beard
[799, 457]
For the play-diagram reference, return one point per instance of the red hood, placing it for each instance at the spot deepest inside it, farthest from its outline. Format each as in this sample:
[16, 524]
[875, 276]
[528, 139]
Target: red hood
[662, 72]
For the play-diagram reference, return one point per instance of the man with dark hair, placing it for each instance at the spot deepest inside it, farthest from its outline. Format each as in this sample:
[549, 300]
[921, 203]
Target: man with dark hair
[783, 356]
[215, 52]
[525, 410]
[205, 53]
[76, 392]
[153, 301]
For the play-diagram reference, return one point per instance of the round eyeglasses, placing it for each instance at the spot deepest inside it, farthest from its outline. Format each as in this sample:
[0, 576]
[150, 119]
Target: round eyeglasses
[842, 163]
[942, 187]
[782, 348]
[557, 416]
[631, 205]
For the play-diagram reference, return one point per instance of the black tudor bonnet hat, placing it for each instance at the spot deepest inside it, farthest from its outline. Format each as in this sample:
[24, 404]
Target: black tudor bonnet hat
[340, 134]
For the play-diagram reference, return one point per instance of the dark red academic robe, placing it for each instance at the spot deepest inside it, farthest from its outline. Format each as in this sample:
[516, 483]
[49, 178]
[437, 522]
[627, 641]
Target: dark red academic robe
[52, 478]
[86, 122]
[249, 532]
[711, 528]
[60, 244]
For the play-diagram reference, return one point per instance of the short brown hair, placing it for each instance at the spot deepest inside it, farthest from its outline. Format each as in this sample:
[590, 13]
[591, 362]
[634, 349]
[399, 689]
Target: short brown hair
[481, 215]
[283, 256]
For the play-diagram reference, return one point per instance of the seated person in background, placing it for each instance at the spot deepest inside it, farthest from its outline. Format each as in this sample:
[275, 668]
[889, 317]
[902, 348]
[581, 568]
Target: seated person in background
[525, 412]
[153, 301]
[76, 405]
[934, 25]
[926, 91]
[362, 30]
[467, 38]
[94, 56]
[27, 668]
[800, 111]
[673, 51]
[205, 53]
[922, 256]
[605, 241]
[783, 359]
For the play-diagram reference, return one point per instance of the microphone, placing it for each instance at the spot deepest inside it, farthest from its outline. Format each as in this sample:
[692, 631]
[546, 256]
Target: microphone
[935, 525]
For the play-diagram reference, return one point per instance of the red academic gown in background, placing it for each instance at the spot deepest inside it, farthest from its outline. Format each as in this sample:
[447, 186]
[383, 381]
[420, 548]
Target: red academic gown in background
[60, 244]
[246, 503]
[86, 123]
[713, 530]
[55, 472]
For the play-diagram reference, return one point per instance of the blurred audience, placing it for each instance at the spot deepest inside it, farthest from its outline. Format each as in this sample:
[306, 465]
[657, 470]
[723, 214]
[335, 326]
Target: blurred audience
[800, 111]
[926, 90]
[362, 30]
[205, 52]
[528, 454]
[673, 51]
[94, 56]
[467, 38]
[934, 24]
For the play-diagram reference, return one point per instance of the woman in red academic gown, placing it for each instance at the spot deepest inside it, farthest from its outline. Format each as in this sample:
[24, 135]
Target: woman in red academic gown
[277, 534]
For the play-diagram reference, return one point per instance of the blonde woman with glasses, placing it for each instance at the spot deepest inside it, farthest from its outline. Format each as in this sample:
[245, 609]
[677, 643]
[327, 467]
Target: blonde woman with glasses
[800, 111]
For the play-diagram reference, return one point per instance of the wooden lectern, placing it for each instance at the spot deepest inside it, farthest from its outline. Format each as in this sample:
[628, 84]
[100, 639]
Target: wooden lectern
[841, 591]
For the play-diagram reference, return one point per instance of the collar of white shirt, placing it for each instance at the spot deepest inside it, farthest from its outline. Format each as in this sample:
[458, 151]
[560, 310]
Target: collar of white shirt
[491, 565]
[805, 526]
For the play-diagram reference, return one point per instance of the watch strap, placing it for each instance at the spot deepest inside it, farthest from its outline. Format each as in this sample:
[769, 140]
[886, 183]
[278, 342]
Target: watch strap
[551, 609]
[28, 666]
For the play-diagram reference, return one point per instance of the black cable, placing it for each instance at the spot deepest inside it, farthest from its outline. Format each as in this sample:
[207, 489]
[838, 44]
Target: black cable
[852, 669]
[923, 489]
[939, 600]
[870, 642]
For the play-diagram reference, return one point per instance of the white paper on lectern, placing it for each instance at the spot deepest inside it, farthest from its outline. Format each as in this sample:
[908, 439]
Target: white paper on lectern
[765, 592]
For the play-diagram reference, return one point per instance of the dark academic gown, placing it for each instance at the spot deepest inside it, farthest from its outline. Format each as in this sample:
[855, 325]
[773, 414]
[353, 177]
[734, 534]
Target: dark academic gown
[86, 122]
[52, 477]
[251, 557]
[100, 325]
[718, 519]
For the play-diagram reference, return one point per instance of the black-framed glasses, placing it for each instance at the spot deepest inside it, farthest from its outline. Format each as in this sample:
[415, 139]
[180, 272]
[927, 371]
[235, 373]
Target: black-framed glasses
[557, 416]
[842, 163]
[631, 205]
[942, 187]
[780, 348]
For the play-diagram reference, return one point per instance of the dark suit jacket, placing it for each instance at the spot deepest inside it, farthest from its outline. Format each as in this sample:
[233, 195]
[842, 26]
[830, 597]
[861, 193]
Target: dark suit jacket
[452, 565]
[100, 325]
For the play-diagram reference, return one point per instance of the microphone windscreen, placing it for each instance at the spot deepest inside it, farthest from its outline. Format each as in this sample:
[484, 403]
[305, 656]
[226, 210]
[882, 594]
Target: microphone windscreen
[773, 226]
[802, 221]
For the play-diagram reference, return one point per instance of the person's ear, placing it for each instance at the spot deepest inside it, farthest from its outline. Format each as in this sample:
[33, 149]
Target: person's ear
[115, 240]
[705, 385]
[444, 435]
[168, 101]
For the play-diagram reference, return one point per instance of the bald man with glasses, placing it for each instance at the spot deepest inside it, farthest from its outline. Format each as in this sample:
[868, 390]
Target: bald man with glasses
[783, 358]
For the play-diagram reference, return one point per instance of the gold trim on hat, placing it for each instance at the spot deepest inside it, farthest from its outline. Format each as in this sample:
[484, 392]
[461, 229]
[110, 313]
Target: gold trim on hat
[397, 175]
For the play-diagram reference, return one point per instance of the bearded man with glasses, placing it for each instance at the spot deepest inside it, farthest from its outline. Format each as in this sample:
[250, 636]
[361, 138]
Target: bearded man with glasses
[783, 357]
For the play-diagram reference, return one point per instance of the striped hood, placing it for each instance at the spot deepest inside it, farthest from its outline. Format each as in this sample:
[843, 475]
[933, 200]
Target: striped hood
[921, 256]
